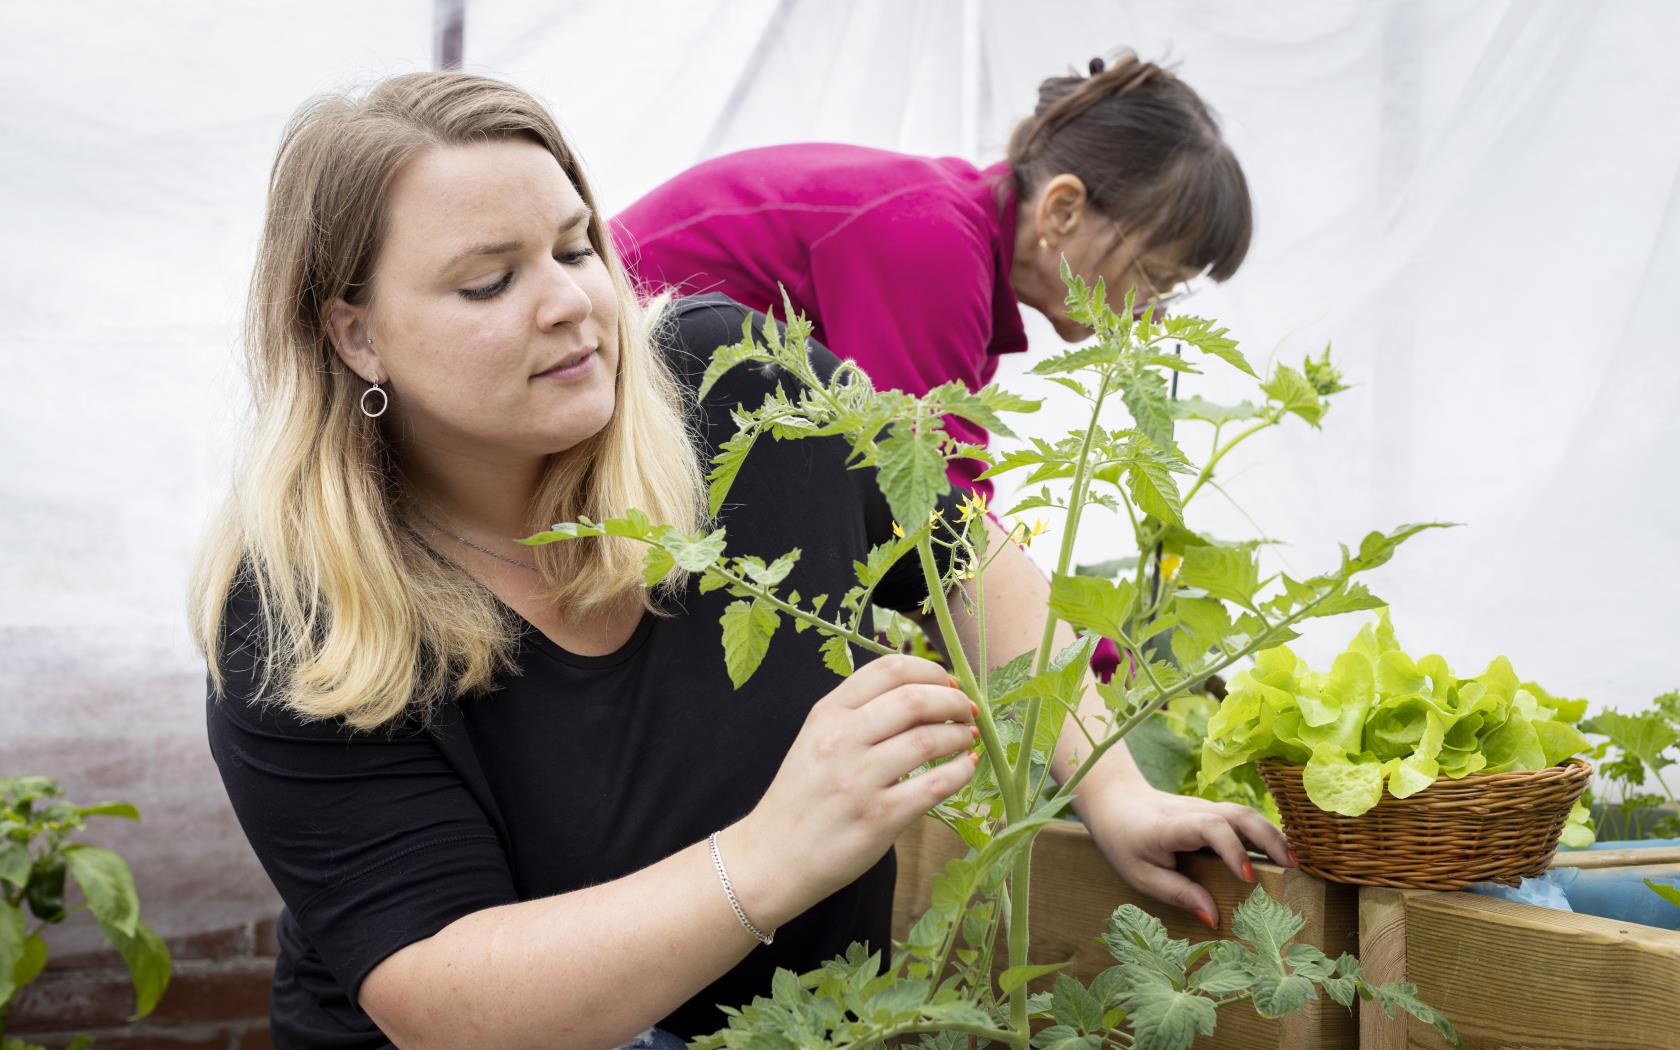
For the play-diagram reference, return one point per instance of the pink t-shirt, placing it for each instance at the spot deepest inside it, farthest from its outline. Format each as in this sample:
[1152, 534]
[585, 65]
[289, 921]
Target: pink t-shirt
[901, 262]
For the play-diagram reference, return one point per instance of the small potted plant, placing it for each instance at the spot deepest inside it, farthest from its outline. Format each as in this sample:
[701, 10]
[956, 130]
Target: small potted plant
[36, 860]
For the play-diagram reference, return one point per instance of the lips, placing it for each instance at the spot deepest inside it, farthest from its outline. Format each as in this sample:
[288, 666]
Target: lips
[569, 361]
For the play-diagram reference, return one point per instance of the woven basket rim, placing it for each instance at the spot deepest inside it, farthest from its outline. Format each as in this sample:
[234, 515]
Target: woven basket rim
[1296, 768]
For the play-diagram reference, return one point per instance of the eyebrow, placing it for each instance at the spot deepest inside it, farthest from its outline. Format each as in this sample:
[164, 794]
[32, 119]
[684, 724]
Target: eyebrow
[571, 223]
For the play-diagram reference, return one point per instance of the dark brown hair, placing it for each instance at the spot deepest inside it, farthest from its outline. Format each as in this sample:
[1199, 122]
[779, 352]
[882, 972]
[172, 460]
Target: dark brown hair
[1150, 155]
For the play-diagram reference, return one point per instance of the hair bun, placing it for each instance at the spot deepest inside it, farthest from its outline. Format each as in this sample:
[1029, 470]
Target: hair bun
[1096, 66]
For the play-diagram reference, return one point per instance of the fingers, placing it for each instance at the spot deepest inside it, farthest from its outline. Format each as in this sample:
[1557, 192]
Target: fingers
[893, 758]
[1261, 834]
[1219, 837]
[922, 792]
[884, 675]
[908, 706]
[1170, 887]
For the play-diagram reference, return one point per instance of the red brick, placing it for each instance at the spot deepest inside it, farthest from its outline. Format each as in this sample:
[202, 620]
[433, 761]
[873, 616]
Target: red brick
[142, 1036]
[255, 1039]
[234, 942]
[198, 991]
[266, 939]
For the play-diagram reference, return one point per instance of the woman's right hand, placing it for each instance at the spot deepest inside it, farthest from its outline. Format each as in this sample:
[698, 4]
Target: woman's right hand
[840, 798]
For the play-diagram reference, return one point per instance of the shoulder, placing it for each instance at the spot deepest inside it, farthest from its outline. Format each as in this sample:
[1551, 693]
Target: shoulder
[696, 327]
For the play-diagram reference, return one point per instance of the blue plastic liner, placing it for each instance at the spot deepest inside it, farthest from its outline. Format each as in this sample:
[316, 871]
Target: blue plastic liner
[1610, 893]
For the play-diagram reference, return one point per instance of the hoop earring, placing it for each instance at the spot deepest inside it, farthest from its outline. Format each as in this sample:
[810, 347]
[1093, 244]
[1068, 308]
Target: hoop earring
[384, 401]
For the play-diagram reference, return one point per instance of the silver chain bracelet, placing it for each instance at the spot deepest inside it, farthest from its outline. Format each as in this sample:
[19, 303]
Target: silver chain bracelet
[729, 890]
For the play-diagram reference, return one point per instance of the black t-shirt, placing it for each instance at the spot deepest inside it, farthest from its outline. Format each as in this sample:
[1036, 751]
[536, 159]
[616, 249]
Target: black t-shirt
[577, 771]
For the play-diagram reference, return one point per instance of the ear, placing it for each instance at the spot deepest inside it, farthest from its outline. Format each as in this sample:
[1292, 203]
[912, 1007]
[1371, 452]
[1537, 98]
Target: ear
[347, 329]
[1060, 208]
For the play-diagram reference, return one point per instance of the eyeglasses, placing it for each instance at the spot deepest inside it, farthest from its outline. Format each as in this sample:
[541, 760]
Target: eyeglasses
[1176, 295]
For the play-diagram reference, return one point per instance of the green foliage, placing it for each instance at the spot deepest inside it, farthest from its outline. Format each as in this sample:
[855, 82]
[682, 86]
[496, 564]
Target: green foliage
[1645, 744]
[1378, 718]
[1205, 608]
[36, 859]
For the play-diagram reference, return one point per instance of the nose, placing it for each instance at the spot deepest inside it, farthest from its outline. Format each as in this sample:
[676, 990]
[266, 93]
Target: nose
[564, 299]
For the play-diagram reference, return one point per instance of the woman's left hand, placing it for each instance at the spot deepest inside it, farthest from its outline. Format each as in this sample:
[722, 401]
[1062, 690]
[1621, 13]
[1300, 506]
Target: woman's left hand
[1141, 830]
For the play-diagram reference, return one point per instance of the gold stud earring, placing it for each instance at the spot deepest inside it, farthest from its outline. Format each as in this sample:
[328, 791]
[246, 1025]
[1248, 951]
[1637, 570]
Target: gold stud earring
[1043, 245]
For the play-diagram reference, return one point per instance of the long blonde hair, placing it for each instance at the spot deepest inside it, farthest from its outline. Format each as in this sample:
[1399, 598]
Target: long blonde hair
[360, 619]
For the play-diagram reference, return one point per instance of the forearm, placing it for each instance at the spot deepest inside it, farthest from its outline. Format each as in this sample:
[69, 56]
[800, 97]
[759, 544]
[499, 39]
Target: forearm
[586, 969]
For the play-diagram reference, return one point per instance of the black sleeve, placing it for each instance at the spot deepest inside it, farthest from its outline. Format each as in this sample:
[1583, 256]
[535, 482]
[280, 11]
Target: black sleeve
[704, 323]
[372, 839]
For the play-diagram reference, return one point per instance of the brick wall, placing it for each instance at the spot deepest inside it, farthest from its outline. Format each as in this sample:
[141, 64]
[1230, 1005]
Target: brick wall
[217, 997]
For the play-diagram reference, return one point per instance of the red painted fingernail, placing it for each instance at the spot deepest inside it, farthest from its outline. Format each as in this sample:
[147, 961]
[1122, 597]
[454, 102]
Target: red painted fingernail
[1293, 863]
[975, 730]
[954, 683]
[974, 708]
[974, 756]
[1207, 920]
[1248, 872]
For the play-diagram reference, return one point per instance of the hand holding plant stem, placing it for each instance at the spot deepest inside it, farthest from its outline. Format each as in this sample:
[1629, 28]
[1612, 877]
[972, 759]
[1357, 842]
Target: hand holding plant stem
[939, 981]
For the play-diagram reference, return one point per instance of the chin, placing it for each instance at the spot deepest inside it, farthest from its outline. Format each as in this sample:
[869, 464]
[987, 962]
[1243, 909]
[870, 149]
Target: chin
[1072, 331]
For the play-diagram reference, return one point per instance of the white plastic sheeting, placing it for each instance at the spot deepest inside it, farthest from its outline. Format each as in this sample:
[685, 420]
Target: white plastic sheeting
[1477, 201]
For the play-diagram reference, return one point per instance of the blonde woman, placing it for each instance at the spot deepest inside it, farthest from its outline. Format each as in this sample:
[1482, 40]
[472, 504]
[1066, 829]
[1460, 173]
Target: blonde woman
[507, 795]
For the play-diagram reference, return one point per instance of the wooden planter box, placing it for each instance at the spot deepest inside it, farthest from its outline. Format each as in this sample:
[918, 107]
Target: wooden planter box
[1074, 891]
[1516, 976]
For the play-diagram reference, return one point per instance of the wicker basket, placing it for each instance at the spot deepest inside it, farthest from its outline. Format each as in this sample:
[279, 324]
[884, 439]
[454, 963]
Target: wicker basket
[1494, 827]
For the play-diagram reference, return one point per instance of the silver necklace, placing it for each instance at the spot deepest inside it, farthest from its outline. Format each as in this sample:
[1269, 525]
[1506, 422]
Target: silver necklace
[482, 550]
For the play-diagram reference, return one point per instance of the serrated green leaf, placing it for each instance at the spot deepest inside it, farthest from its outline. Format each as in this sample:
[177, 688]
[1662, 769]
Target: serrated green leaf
[1290, 389]
[1404, 997]
[768, 576]
[1201, 334]
[1154, 490]
[725, 358]
[1667, 892]
[657, 564]
[1201, 409]
[1148, 400]
[1378, 547]
[1221, 978]
[837, 655]
[957, 1012]
[726, 466]
[1267, 925]
[1164, 1018]
[108, 885]
[1073, 1004]
[1016, 976]
[1099, 353]
[911, 474]
[1278, 994]
[1099, 605]
[695, 553]
[747, 630]
[1231, 573]
[1063, 1037]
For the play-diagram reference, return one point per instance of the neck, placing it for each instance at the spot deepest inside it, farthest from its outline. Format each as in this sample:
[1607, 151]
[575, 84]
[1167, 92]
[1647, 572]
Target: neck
[490, 498]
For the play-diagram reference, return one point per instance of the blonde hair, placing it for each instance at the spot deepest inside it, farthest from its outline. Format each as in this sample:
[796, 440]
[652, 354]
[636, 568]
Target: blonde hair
[360, 619]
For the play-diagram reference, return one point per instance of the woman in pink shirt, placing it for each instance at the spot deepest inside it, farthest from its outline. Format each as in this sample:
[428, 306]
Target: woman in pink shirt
[915, 267]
